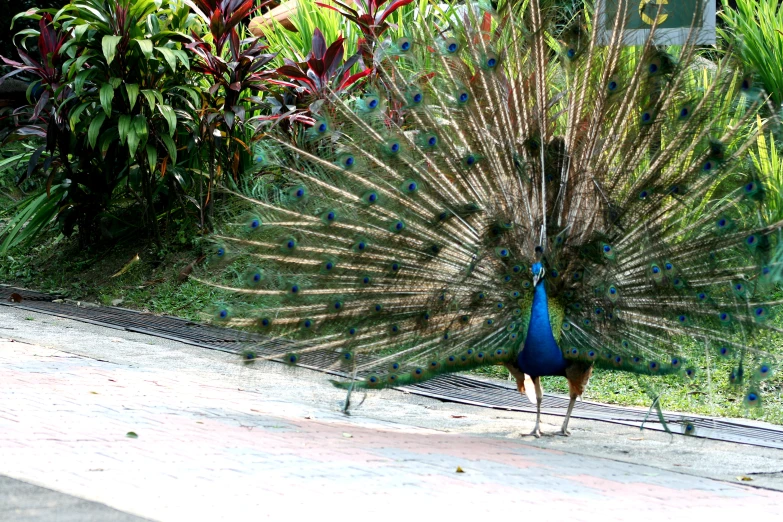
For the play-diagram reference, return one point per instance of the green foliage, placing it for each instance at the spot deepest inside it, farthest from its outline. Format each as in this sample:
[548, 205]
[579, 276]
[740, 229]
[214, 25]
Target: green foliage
[769, 166]
[756, 28]
[296, 45]
[112, 98]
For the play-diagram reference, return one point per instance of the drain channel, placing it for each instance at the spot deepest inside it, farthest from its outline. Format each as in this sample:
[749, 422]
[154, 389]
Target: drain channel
[449, 388]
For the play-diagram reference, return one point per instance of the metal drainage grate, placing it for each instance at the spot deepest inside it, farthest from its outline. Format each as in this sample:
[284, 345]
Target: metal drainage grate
[450, 387]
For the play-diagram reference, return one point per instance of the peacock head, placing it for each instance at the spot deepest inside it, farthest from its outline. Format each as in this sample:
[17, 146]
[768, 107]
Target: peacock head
[538, 273]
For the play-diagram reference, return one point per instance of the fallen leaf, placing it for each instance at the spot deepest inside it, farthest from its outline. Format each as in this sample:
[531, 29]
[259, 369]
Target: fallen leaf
[308, 418]
[257, 411]
[347, 435]
[127, 266]
[458, 416]
[132, 435]
[15, 298]
[112, 380]
[199, 422]
[744, 478]
[94, 393]
[460, 470]
[635, 438]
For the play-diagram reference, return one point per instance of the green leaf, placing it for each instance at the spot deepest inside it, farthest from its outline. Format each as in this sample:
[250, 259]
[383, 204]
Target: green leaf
[107, 95]
[140, 127]
[150, 96]
[153, 24]
[169, 56]
[133, 141]
[171, 117]
[146, 48]
[171, 147]
[123, 127]
[78, 83]
[80, 30]
[182, 56]
[141, 8]
[78, 64]
[74, 119]
[95, 128]
[133, 92]
[34, 215]
[152, 157]
[115, 82]
[109, 45]
[108, 138]
[194, 97]
[132, 435]
[64, 50]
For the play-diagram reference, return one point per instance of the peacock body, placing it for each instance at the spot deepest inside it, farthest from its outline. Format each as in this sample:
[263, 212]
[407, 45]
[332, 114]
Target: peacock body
[506, 192]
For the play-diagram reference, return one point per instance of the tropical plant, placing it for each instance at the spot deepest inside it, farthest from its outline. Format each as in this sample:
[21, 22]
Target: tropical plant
[233, 74]
[756, 27]
[323, 73]
[114, 80]
[369, 15]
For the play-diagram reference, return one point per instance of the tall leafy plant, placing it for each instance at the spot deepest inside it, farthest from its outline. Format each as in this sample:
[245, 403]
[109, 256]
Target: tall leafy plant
[115, 90]
[233, 73]
[131, 78]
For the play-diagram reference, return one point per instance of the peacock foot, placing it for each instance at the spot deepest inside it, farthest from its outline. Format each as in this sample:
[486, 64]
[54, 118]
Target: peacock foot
[535, 433]
[564, 433]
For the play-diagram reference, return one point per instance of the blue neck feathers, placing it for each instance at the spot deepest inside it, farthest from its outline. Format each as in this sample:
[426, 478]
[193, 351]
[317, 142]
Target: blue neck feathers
[541, 355]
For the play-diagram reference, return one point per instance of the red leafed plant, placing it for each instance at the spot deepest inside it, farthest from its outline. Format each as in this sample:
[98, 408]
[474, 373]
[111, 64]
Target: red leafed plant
[323, 70]
[223, 16]
[368, 14]
[50, 42]
[245, 68]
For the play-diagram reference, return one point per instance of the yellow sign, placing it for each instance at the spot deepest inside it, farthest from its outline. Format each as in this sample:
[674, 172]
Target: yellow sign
[651, 6]
[675, 21]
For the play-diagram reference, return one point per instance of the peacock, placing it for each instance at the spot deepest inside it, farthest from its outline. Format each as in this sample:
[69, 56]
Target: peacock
[511, 188]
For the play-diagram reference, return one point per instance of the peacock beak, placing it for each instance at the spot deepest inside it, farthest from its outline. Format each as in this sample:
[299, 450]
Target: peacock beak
[538, 276]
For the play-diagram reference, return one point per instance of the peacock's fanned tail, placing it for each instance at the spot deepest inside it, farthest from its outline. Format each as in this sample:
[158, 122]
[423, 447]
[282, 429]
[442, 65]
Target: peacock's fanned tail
[398, 239]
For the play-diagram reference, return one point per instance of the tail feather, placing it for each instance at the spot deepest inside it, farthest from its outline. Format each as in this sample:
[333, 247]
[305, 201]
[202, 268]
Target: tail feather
[400, 242]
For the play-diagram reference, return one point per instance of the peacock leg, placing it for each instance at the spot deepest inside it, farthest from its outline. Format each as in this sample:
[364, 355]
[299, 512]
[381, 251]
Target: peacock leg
[539, 397]
[564, 430]
[521, 379]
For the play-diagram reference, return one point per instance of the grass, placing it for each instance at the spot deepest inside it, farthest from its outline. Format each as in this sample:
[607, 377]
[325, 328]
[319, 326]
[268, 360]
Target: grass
[676, 394]
[152, 284]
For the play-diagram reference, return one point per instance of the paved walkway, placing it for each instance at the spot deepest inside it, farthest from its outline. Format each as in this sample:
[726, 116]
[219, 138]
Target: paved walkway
[20, 501]
[209, 447]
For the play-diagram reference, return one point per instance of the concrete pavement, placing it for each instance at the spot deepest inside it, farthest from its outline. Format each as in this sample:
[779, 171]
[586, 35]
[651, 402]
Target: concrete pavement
[20, 501]
[220, 441]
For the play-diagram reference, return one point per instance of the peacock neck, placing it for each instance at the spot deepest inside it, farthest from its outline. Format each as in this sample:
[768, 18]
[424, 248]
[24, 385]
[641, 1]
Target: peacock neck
[540, 354]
